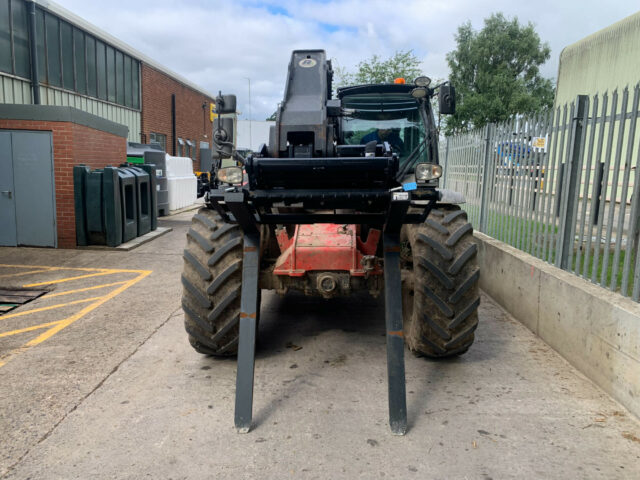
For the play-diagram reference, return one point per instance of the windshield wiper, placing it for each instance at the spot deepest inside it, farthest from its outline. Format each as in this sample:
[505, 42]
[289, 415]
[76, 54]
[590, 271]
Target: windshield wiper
[409, 162]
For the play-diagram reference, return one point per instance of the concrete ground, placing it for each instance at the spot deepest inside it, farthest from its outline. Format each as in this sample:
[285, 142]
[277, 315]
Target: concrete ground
[110, 388]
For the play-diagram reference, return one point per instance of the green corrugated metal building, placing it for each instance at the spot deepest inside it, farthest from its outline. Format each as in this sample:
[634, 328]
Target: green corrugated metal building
[603, 61]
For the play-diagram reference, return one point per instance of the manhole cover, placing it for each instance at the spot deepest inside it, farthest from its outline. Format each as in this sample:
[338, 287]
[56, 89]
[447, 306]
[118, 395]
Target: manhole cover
[11, 298]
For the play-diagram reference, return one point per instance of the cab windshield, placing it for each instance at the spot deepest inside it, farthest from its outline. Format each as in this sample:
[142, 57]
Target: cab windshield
[392, 118]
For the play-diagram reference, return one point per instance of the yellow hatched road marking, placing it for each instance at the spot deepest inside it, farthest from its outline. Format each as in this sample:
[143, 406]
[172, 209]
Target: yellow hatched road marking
[51, 267]
[81, 269]
[19, 274]
[50, 307]
[69, 279]
[57, 326]
[67, 292]
[28, 329]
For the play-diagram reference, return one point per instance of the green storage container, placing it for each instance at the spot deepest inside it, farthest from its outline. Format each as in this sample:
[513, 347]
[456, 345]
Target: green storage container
[129, 207]
[143, 198]
[97, 206]
[153, 182]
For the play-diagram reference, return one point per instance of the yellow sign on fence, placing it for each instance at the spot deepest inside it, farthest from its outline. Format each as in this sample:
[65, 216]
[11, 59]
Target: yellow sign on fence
[539, 142]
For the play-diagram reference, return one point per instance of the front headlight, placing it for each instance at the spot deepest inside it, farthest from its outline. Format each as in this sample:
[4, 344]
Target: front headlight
[428, 171]
[232, 175]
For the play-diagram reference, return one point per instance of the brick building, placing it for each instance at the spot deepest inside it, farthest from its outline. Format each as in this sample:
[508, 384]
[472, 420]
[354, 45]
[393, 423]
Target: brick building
[44, 198]
[88, 93]
[73, 63]
[164, 97]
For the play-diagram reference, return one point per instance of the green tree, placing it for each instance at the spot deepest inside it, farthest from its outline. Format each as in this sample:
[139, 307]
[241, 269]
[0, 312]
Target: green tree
[496, 73]
[376, 70]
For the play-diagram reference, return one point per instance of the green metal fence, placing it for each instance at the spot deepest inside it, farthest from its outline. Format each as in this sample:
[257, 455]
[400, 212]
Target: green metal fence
[563, 185]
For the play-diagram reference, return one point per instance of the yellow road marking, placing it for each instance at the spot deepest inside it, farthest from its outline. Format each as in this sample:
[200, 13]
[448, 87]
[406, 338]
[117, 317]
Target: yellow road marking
[50, 307]
[69, 320]
[19, 274]
[81, 269]
[51, 267]
[69, 279]
[28, 329]
[67, 292]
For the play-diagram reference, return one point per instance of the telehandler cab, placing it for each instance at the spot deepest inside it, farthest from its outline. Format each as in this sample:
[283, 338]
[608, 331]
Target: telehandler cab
[344, 198]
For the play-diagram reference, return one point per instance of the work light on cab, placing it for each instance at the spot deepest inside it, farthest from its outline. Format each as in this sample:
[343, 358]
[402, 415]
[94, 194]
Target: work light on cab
[428, 171]
[422, 81]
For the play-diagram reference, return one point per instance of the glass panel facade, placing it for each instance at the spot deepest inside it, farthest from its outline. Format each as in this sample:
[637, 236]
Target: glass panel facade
[21, 53]
[92, 85]
[80, 61]
[101, 69]
[120, 78]
[111, 74]
[68, 57]
[5, 37]
[135, 70]
[52, 38]
[127, 82]
[42, 54]
[66, 37]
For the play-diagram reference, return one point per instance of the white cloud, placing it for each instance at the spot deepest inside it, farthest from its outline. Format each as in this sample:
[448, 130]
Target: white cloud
[219, 44]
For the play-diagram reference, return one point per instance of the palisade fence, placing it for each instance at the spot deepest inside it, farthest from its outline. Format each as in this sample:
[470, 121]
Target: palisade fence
[563, 186]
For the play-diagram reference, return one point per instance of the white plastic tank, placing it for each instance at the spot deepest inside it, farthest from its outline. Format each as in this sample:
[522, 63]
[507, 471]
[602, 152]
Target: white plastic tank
[182, 184]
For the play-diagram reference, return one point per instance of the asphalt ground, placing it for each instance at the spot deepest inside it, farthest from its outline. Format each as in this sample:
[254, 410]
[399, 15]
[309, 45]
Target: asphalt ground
[98, 381]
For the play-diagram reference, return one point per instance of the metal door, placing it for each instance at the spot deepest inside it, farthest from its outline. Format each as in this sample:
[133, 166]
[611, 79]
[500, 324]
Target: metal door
[7, 193]
[34, 188]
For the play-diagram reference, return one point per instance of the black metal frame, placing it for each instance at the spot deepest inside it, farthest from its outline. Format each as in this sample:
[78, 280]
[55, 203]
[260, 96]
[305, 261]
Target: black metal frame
[250, 209]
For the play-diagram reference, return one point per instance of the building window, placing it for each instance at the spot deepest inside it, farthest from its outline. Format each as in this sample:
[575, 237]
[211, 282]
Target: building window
[127, 82]
[180, 147]
[159, 138]
[20, 34]
[111, 74]
[52, 44]
[66, 37]
[92, 79]
[14, 38]
[5, 40]
[192, 150]
[79, 58]
[101, 69]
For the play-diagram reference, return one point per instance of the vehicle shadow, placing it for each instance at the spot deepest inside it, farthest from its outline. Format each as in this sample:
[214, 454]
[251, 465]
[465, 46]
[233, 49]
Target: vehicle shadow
[291, 321]
[297, 316]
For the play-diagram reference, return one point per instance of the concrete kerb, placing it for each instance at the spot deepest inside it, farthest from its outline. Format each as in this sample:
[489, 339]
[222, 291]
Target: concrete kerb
[131, 244]
[596, 330]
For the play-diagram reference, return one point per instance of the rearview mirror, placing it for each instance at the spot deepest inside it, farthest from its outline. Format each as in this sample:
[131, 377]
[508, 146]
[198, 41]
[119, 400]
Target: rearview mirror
[225, 104]
[447, 99]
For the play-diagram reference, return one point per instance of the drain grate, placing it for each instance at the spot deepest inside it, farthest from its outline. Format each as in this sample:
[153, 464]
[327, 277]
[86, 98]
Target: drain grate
[11, 298]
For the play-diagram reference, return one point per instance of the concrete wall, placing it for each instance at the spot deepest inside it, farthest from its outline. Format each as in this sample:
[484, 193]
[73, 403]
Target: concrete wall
[596, 330]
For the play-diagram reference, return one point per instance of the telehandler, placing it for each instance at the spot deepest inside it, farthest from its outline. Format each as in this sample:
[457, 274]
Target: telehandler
[343, 198]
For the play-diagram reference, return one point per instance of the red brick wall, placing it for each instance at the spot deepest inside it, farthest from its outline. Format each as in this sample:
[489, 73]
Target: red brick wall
[157, 89]
[73, 144]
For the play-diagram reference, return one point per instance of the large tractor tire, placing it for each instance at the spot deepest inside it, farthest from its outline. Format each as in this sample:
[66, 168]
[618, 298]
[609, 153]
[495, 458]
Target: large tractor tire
[440, 285]
[212, 280]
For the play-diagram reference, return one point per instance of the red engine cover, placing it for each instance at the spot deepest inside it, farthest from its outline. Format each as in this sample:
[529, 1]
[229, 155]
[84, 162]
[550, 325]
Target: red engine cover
[324, 247]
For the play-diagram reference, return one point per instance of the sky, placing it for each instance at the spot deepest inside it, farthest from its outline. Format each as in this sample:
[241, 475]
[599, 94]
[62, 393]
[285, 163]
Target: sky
[219, 45]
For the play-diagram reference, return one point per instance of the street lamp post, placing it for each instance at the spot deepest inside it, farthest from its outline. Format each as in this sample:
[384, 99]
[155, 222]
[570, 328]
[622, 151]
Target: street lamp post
[250, 137]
